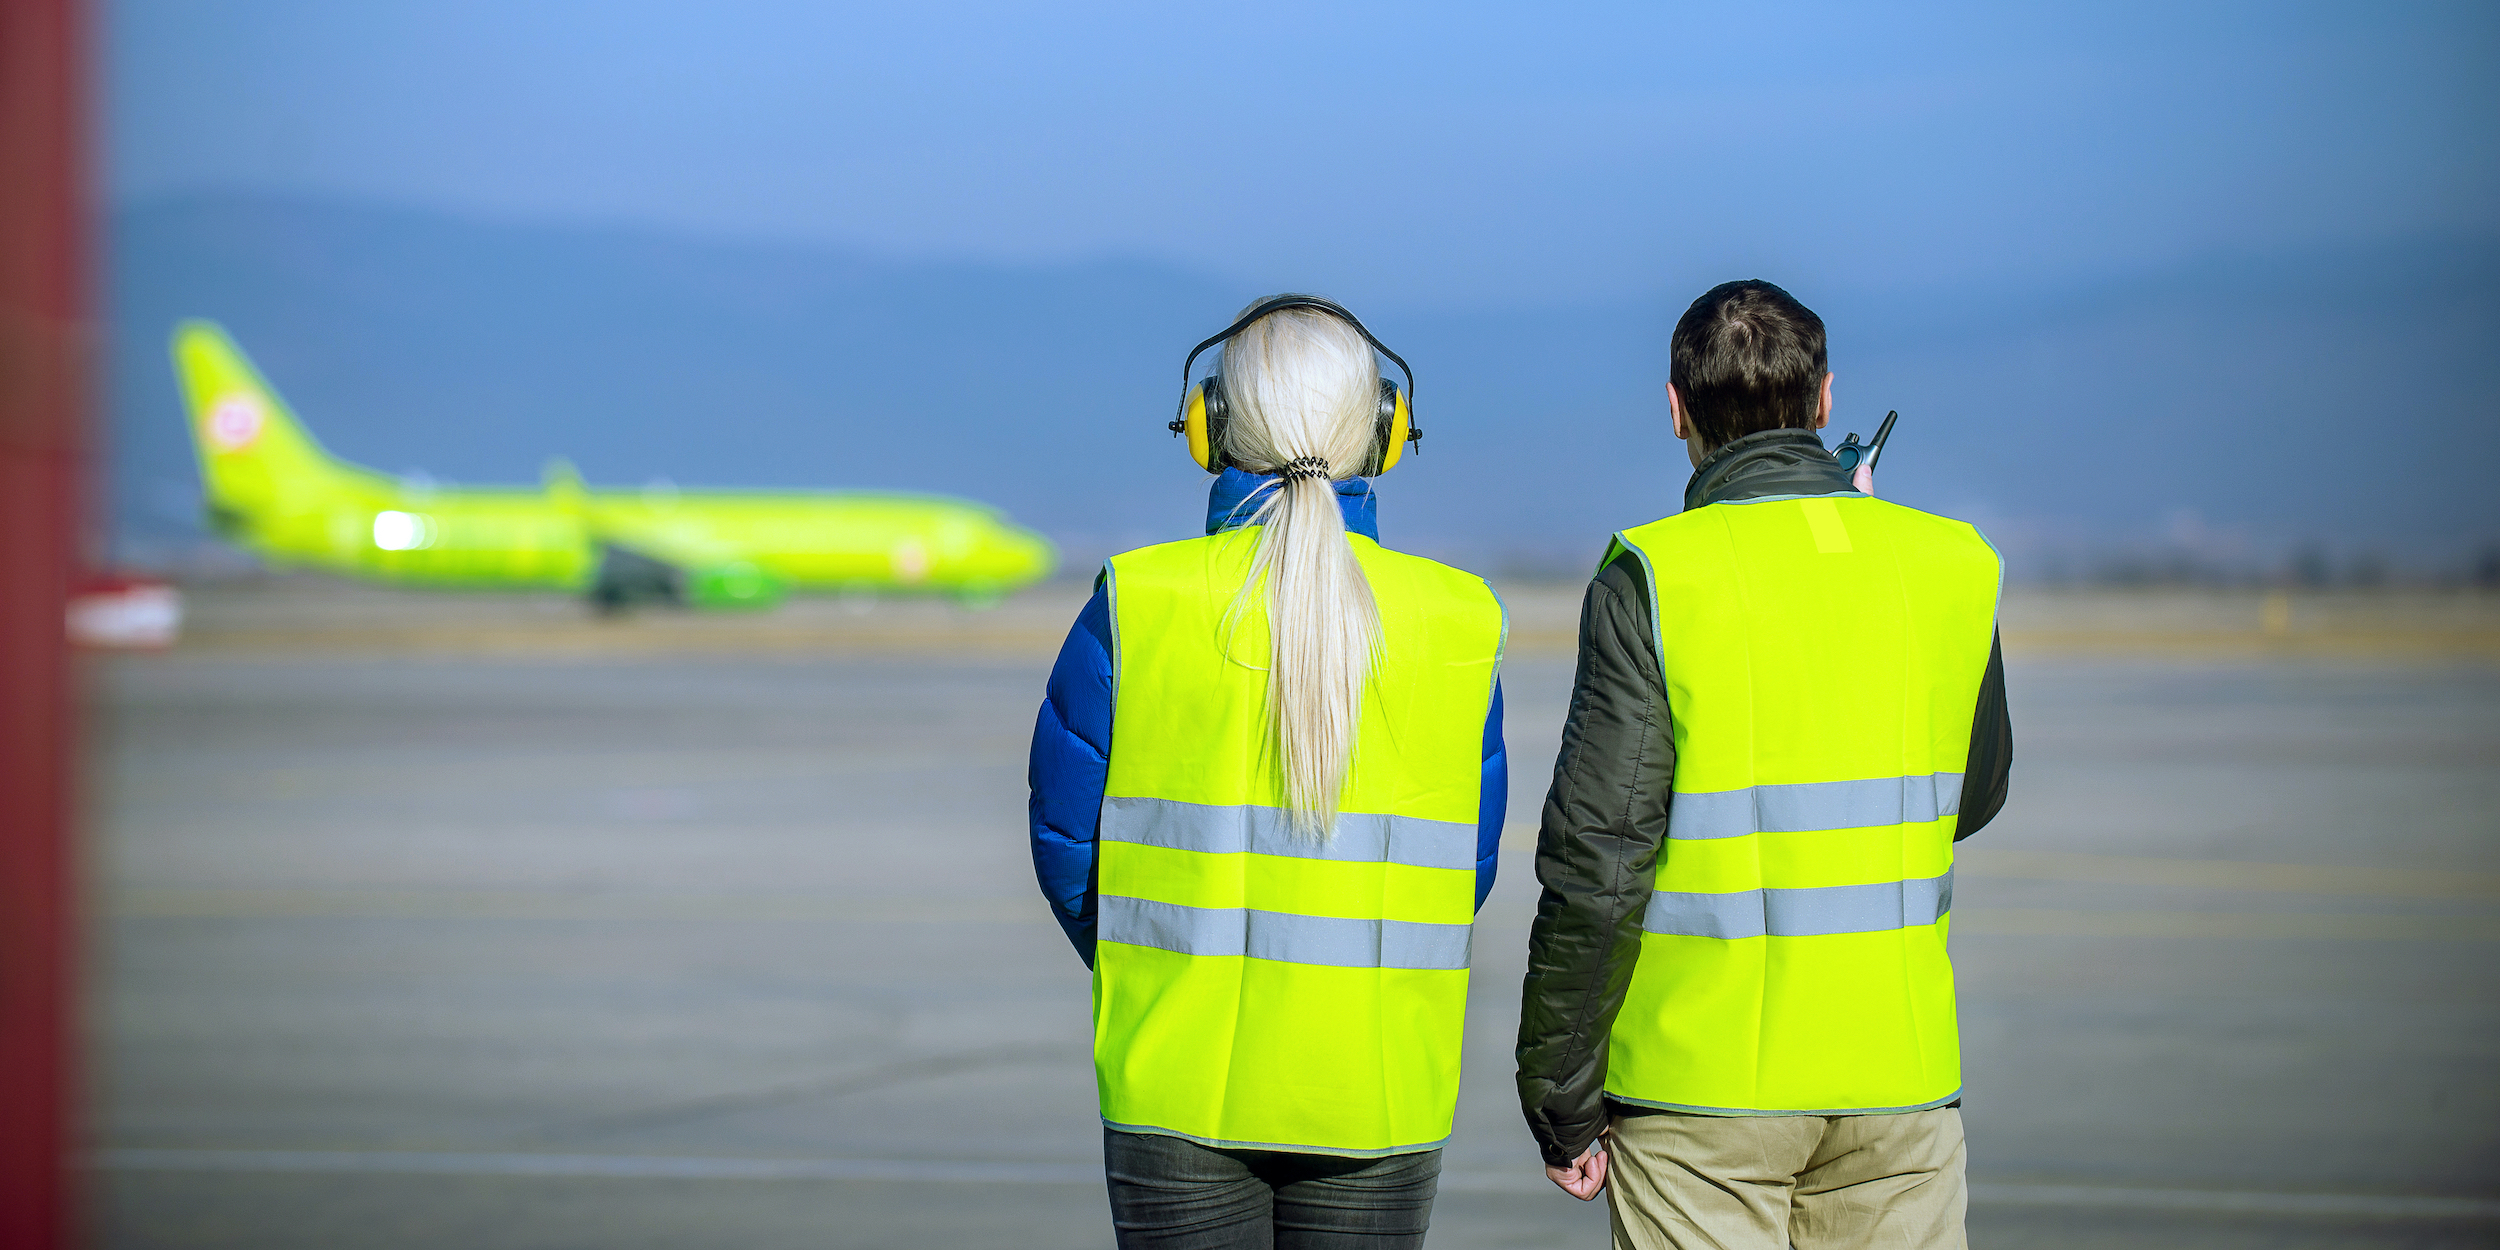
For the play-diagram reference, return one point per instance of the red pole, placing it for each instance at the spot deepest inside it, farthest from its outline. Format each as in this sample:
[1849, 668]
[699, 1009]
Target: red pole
[43, 403]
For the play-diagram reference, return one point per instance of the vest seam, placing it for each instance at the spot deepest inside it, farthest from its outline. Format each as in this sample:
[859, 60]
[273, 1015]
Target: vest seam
[1657, 621]
[1501, 651]
[1111, 607]
[1995, 659]
[1219, 1143]
[1750, 1113]
[1501, 643]
[1829, 494]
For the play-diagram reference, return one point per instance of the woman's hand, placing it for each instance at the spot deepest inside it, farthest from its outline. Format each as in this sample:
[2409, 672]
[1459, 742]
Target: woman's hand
[1586, 1175]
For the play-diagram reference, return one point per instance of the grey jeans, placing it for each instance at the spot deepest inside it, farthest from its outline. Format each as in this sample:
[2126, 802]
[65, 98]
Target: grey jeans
[1172, 1194]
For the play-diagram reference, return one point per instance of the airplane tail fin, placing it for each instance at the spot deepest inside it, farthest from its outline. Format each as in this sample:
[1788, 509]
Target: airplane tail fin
[255, 458]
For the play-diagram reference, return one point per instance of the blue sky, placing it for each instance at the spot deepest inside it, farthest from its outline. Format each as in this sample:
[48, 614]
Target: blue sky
[1452, 156]
[2140, 278]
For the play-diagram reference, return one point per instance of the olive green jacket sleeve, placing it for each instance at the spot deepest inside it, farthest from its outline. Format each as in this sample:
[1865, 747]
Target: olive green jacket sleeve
[1596, 855]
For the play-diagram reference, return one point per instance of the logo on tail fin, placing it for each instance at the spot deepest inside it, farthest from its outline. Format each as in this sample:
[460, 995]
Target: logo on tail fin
[236, 422]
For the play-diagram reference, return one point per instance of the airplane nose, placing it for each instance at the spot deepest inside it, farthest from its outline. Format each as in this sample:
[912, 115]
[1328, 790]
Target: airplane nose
[1039, 555]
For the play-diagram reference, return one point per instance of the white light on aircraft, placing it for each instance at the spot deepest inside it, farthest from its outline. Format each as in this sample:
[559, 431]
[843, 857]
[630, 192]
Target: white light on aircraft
[402, 531]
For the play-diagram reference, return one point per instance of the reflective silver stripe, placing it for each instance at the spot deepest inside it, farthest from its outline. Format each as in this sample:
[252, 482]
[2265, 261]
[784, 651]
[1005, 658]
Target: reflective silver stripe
[1362, 837]
[1814, 805]
[1283, 936]
[1801, 913]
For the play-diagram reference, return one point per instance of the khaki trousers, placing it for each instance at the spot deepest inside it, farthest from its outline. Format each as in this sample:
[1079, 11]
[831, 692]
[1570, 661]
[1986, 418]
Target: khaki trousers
[1815, 1182]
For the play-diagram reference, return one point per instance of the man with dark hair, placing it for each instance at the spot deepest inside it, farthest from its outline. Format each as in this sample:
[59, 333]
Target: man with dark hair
[1790, 705]
[1754, 356]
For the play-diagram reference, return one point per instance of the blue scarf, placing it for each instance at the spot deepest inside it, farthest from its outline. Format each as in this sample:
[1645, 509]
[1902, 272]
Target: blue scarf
[1229, 505]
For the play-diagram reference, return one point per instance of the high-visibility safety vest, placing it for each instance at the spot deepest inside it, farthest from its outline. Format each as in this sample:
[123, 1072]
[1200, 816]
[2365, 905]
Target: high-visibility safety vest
[1822, 658]
[1255, 989]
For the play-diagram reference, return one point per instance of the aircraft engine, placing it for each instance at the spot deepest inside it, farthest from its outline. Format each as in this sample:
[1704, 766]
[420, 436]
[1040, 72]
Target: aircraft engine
[737, 584]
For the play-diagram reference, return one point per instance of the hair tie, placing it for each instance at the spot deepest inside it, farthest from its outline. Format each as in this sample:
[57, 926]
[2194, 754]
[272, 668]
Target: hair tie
[1305, 466]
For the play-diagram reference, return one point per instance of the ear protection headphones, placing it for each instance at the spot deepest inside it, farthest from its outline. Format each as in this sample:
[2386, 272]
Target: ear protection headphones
[1203, 414]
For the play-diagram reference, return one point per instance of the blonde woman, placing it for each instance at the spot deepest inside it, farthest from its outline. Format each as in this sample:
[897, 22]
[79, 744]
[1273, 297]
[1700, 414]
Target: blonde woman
[1268, 784]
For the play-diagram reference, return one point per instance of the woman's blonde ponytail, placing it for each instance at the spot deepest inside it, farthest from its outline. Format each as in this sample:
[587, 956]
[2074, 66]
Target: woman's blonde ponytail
[1303, 390]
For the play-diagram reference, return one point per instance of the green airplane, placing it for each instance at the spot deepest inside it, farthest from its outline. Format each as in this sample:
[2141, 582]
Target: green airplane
[272, 489]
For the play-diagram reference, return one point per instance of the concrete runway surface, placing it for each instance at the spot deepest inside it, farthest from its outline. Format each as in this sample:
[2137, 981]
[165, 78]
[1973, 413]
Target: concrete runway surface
[556, 946]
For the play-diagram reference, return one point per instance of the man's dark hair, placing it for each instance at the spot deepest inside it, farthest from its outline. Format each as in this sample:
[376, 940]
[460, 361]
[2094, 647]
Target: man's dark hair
[1747, 357]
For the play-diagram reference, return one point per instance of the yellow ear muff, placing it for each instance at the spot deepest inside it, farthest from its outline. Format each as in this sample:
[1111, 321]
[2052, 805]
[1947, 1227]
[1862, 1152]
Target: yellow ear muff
[1396, 438]
[1194, 425]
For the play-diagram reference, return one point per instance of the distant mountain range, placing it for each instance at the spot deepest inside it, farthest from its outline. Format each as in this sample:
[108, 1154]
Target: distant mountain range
[2238, 414]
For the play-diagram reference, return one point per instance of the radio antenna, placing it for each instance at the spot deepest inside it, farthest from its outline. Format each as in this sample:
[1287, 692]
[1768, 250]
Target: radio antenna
[1875, 450]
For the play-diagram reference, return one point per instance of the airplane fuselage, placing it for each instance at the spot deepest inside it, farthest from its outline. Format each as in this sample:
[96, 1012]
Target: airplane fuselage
[272, 489]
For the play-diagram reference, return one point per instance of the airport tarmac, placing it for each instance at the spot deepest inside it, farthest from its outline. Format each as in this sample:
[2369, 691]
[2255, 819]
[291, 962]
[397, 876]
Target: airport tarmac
[468, 932]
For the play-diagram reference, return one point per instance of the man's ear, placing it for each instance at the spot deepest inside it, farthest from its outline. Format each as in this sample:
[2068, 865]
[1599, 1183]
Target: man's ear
[1823, 406]
[1675, 409]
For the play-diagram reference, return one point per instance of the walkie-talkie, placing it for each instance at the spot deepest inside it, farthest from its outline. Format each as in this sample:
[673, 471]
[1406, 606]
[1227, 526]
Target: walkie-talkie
[1851, 451]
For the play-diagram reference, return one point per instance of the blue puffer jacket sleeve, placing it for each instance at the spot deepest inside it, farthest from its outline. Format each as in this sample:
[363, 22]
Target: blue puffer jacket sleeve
[1071, 759]
[1492, 800]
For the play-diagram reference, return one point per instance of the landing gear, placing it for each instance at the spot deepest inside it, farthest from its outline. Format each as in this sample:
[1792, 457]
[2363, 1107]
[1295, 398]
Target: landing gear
[628, 579]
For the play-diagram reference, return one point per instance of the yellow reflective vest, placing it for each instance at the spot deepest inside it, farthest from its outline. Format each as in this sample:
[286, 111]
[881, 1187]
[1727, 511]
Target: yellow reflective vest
[1254, 989]
[1822, 658]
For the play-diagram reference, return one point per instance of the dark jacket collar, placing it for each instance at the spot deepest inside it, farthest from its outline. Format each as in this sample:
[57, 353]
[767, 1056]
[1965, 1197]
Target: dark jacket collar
[1768, 462]
[1229, 505]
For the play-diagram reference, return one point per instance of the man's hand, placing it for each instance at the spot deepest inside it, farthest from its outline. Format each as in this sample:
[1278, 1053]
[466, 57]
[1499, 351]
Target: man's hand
[1586, 1175]
[1862, 479]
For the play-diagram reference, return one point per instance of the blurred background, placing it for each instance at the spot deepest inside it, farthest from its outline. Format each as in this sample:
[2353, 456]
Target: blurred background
[429, 918]
[2163, 293]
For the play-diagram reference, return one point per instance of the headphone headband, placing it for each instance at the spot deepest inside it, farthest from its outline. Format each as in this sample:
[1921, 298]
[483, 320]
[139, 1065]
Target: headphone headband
[1283, 302]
